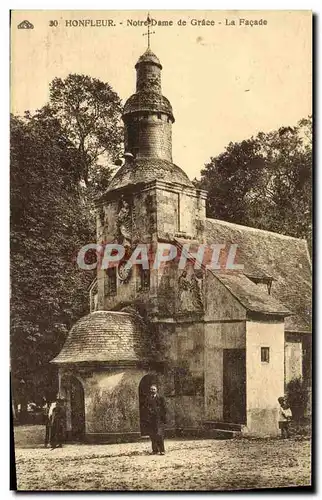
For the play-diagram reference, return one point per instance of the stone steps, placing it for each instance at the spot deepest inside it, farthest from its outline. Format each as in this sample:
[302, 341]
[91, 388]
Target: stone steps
[221, 434]
[229, 426]
[209, 430]
[222, 430]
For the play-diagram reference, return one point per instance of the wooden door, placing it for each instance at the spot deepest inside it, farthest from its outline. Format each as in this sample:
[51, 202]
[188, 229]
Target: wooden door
[234, 385]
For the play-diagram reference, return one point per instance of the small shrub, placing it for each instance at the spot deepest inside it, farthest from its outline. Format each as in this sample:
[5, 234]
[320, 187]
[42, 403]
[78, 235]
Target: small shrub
[297, 398]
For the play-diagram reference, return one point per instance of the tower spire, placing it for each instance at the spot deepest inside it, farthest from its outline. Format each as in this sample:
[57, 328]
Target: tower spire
[147, 114]
[149, 33]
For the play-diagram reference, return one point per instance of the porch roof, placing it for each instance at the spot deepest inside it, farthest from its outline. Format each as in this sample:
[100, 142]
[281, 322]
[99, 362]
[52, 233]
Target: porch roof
[108, 336]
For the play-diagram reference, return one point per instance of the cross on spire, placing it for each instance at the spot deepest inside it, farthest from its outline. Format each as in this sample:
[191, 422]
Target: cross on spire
[149, 33]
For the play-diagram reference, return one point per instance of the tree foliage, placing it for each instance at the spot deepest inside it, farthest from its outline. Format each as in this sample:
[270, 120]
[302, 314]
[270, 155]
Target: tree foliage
[89, 112]
[49, 224]
[297, 397]
[61, 158]
[265, 181]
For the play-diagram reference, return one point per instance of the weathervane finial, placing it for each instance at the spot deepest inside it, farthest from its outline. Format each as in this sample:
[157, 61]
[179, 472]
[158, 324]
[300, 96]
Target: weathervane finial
[149, 32]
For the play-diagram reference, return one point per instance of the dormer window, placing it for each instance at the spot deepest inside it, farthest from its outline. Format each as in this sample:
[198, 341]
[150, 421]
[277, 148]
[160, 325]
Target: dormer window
[263, 281]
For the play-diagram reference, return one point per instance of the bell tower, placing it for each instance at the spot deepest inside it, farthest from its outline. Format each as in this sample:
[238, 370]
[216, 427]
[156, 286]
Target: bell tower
[148, 115]
[150, 199]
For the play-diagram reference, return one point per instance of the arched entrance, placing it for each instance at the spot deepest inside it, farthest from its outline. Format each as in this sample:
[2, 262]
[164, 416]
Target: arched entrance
[144, 389]
[77, 407]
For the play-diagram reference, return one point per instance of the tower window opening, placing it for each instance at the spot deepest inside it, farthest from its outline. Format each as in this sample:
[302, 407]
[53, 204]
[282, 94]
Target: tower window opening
[110, 285]
[144, 279]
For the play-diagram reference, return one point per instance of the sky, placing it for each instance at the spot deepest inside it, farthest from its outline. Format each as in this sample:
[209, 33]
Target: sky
[226, 82]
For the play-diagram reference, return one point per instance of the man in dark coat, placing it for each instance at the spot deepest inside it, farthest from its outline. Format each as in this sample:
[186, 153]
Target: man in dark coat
[48, 410]
[156, 418]
[58, 424]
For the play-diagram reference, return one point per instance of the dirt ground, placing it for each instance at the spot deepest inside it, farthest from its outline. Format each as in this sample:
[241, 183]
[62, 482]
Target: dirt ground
[188, 465]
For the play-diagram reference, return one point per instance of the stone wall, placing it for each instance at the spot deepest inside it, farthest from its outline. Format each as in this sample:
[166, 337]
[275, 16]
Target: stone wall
[144, 216]
[153, 215]
[143, 230]
[180, 212]
[167, 213]
[187, 214]
[149, 136]
[265, 380]
[167, 289]
[220, 304]
[112, 402]
[148, 78]
[189, 374]
[219, 336]
[293, 357]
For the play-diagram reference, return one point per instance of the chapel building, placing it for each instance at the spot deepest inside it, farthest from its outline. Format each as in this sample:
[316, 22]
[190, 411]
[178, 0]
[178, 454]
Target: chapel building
[221, 344]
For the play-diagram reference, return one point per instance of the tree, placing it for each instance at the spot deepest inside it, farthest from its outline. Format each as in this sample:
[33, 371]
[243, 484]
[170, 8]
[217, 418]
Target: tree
[60, 159]
[264, 181]
[288, 179]
[229, 177]
[49, 224]
[89, 112]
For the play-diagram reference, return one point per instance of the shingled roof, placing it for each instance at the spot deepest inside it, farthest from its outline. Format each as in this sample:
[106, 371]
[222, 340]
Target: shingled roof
[250, 295]
[105, 336]
[147, 170]
[284, 258]
[148, 101]
[149, 57]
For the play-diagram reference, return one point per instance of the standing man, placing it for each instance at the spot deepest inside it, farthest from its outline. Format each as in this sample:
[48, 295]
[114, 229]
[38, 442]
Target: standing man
[58, 424]
[156, 418]
[48, 409]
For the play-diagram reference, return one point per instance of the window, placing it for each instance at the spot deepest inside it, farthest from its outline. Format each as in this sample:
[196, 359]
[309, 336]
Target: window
[265, 354]
[263, 281]
[93, 296]
[145, 279]
[110, 285]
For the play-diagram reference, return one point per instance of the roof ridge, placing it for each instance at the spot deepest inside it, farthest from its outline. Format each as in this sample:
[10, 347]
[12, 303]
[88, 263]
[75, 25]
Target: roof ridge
[254, 229]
